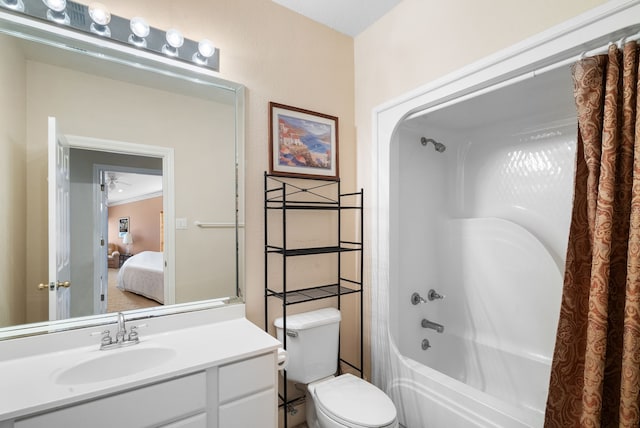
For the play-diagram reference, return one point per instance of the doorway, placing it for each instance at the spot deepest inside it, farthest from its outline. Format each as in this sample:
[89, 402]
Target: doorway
[132, 222]
[89, 232]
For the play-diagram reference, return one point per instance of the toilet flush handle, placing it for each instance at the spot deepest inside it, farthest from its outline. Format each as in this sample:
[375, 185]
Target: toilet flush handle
[292, 333]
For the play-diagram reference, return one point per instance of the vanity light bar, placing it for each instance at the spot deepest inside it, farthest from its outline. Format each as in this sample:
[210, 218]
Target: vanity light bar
[96, 21]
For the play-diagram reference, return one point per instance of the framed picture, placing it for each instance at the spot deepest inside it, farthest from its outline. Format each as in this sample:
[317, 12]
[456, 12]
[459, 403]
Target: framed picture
[302, 143]
[123, 226]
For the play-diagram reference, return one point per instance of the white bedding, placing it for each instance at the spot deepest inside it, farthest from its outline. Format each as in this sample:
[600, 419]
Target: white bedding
[143, 274]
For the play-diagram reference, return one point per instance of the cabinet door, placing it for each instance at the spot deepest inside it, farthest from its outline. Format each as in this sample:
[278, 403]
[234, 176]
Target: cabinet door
[258, 410]
[248, 394]
[246, 377]
[148, 406]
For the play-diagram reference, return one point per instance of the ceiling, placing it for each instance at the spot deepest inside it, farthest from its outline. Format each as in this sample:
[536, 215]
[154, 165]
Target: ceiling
[123, 187]
[350, 17]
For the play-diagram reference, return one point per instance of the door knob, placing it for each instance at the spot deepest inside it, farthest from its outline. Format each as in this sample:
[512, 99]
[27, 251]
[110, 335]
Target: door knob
[65, 284]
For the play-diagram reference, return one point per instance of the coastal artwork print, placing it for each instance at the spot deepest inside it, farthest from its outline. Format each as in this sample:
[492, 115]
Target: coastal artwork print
[302, 143]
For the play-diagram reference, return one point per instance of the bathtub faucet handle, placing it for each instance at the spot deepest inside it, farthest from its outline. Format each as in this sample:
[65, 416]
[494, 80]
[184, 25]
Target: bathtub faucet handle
[433, 295]
[417, 299]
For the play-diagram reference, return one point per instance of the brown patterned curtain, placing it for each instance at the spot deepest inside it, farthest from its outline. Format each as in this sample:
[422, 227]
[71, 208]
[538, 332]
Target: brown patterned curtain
[595, 374]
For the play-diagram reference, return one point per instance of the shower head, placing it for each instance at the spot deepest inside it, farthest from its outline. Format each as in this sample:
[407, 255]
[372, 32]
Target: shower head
[438, 146]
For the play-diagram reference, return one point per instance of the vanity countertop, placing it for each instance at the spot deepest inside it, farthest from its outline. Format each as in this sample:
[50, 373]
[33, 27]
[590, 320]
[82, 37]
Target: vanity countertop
[28, 384]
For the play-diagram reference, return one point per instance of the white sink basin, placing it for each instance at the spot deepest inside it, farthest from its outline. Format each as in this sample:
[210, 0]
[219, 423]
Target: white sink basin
[115, 363]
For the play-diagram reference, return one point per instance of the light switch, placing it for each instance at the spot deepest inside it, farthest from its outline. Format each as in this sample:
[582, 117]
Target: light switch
[181, 223]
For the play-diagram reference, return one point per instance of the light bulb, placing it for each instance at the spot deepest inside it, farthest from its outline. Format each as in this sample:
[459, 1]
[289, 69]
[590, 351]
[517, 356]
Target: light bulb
[206, 49]
[13, 4]
[139, 29]
[99, 14]
[175, 39]
[101, 18]
[56, 5]
[57, 12]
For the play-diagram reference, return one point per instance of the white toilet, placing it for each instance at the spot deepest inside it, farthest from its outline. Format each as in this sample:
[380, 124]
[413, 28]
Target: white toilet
[332, 402]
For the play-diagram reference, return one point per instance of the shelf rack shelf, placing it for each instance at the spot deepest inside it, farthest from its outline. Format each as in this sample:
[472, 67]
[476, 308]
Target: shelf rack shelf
[289, 197]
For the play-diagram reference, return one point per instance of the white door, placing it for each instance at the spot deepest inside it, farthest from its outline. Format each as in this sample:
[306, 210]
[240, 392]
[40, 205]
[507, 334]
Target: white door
[59, 225]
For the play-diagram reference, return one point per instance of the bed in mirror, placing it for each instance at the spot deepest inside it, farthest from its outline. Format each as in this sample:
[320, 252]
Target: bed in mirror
[107, 110]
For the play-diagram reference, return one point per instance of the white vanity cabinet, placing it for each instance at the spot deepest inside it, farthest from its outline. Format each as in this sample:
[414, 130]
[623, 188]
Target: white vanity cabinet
[238, 394]
[155, 405]
[221, 375]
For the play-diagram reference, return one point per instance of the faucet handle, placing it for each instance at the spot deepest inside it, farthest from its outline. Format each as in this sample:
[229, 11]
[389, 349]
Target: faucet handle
[133, 332]
[106, 337]
[433, 295]
[417, 299]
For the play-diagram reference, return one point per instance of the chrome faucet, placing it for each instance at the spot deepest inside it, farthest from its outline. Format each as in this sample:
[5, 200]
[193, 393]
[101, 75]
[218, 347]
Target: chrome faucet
[433, 325]
[122, 329]
[123, 338]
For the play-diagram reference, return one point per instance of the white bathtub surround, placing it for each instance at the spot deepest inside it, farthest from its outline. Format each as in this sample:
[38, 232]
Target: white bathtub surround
[203, 351]
[484, 223]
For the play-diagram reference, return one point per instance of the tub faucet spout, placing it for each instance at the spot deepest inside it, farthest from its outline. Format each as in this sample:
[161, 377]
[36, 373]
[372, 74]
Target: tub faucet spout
[433, 325]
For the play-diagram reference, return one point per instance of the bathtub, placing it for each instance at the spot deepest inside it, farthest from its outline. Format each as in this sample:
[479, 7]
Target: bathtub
[490, 366]
[428, 398]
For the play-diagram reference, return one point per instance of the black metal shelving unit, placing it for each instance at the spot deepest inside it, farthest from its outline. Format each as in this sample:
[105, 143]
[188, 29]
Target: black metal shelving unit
[290, 196]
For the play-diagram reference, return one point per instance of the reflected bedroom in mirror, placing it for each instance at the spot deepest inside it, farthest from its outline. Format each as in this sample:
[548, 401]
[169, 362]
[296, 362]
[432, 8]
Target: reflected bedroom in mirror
[122, 179]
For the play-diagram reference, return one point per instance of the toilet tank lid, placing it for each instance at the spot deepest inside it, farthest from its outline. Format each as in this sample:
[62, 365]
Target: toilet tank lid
[309, 319]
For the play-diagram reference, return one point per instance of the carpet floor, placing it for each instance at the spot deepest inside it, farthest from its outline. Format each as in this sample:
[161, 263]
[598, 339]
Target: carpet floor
[119, 300]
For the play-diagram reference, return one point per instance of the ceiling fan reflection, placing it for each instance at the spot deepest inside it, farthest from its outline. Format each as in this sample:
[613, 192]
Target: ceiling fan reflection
[114, 183]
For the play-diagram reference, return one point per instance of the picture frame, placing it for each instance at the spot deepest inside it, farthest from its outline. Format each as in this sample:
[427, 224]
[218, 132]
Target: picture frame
[302, 143]
[123, 226]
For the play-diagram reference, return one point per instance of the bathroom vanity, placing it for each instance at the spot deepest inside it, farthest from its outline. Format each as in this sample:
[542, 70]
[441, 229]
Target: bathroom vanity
[210, 368]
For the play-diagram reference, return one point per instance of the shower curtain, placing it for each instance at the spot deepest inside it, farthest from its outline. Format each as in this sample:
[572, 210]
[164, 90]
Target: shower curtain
[595, 375]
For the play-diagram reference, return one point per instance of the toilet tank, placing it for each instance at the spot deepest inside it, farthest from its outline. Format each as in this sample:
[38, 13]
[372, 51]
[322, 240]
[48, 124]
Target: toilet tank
[312, 344]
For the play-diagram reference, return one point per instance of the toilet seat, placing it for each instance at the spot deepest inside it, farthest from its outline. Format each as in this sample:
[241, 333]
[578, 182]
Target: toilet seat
[354, 402]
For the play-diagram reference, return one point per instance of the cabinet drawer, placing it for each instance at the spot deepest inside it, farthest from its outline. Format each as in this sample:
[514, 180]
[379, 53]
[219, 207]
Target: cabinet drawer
[246, 377]
[151, 405]
[258, 410]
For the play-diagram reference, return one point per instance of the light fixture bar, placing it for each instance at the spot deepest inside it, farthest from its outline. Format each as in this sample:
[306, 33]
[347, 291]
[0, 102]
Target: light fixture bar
[120, 30]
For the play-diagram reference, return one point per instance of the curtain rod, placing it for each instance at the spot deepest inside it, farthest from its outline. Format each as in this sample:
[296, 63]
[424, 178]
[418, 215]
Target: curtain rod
[525, 76]
[597, 51]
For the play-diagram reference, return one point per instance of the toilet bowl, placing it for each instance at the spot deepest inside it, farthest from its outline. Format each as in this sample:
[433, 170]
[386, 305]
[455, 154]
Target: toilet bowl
[347, 401]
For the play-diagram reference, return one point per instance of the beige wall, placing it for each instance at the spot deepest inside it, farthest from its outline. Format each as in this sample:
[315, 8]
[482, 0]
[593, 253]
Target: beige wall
[12, 187]
[280, 56]
[144, 224]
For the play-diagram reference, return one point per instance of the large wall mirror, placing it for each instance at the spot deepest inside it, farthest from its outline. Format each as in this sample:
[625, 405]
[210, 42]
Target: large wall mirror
[125, 118]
